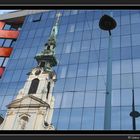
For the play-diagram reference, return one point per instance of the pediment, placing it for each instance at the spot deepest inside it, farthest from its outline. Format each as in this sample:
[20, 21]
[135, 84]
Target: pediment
[29, 101]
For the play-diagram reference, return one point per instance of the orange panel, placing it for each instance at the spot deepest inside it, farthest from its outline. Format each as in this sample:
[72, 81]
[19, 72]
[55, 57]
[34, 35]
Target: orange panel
[2, 24]
[9, 34]
[1, 71]
[5, 52]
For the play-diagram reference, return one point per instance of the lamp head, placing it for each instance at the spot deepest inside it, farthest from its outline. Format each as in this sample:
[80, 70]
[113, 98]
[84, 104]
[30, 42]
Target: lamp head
[107, 23]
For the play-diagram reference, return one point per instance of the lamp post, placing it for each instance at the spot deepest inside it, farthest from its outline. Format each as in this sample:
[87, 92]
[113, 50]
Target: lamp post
[134, 114]
[107, 23]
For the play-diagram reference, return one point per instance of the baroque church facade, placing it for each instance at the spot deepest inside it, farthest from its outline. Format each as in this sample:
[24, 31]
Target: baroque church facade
[33, 107]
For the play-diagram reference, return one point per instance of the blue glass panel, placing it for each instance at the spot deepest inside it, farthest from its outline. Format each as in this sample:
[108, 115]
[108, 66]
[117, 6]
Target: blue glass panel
[115, 99]
[85, 45]
[6, 101]
[62, 71]
[72, 19]
[136, 51]
[93, 56]
[135, 28]
[78, 99]
[115, 118]
[72, 70]
[80, 84]
[84, 56]
[87, 35]
[59, 47]
[67, 100]
[62, 29]
[12, 64]
[102, 68]
[126, 53]
[93, 69]
[137, 96]
[100, 99]
[16, 53]
[125, 30]
[116, 67]
[103, 55]
[88, 24]
[24, 75]
[81, 17]
[69, 84]
[88, 119]
[136, 65]
[95, 44]
[90, 99]
[16, 75]
[74, 58]
[82, 70]
[99, 119]
[126, 120]
[24, 52]
[67, 48]
[116, 42]
[7, 76]
[126, 81]
[64, 59]
[63, 121]
[104, 43]
[59, 85]
[75, 120]
[125, 41]
[126, 66]
[20, 63]
[76, 46]
[96, 33]
[137, 80]
[126, 97]
[77, 36]
[125, 19]
[135, 39]
[101, 82]
[79, 26]
[135, 17]
[91, 83]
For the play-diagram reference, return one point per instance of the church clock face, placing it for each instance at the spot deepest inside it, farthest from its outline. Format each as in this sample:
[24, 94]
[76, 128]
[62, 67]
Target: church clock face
[37, 72]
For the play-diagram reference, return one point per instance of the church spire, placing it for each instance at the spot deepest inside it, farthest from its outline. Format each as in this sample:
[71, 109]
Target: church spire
[54, 31]
[46, 59]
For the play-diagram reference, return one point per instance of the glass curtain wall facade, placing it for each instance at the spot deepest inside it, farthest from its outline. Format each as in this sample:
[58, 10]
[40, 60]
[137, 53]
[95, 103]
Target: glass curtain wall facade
[81, 73]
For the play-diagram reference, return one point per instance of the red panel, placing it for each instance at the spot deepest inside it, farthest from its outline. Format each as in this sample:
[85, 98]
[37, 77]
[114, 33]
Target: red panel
[5, 52]
[2, 24]
[1, 71]
[9, 34]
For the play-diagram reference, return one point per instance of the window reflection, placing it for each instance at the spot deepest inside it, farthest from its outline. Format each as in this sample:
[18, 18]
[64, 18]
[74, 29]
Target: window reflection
[75, 120]
[88, 119]
[63, 121]
[99, 119]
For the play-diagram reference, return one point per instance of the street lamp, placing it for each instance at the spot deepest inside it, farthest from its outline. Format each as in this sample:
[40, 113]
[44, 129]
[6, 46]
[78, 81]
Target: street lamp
[134, 114]
[107, 23]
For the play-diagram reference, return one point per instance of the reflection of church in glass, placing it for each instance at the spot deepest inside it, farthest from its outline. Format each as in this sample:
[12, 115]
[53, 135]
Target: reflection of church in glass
[33, 107]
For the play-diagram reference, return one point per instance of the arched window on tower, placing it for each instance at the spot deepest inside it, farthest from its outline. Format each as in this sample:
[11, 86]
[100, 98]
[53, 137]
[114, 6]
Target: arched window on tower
[34, 86]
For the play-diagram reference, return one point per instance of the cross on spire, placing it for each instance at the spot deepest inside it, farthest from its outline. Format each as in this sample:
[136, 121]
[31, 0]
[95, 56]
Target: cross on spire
[58, 15]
